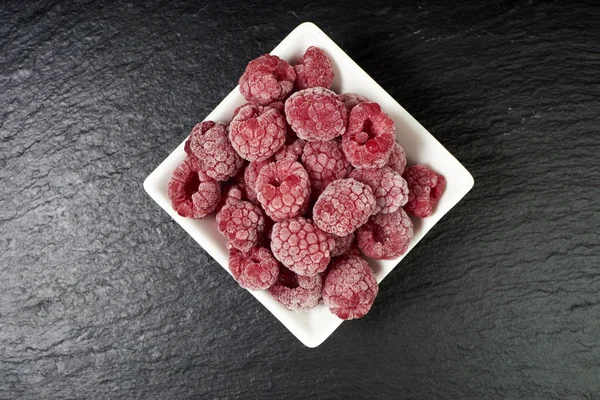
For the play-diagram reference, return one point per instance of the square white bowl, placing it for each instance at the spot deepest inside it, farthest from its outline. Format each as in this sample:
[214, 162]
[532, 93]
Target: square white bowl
[313, 327]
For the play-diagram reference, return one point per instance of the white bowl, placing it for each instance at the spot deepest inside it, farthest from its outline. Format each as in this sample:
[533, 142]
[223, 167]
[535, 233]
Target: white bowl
[313, 327]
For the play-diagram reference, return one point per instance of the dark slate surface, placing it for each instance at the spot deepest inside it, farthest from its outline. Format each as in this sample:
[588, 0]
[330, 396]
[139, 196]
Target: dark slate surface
[103, 296]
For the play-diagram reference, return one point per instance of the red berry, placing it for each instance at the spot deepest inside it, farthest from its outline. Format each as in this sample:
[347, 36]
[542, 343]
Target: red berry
[351, 100]
[250, 177]
[325, 162]
[254, 270]
[241, 223]
[267, 79]
[389, 188]
[314, 69]
[342, 244]
[192, 193]
[297, 292]
[292, 150]
[301, 246]
[385, 236]
[350, 287]
[283, 189]
[397, 160]
[256, 133]
[345, 205]
[370, 136]
[425, 189]
[231, 194]
[316, 114]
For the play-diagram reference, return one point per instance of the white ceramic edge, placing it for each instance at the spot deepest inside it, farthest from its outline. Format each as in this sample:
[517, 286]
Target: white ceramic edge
[212, 244]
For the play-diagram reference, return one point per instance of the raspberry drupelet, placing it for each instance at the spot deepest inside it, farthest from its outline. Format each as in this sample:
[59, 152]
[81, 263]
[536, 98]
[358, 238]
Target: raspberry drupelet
[425, 189]
[397, 160]
[267, 79]
[350, 287]
[254, 270]
[314, 69]
[193, 194]
[389, 188]
[385, 236]
[283, 189]
[297, 292]
[369, 138]
[301, 246]
[242, 223]
[256, 133]
[351, 100]
[345, 205]
[325, 162]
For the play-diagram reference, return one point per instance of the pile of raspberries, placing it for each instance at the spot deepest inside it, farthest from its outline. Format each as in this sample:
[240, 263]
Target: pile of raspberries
[304, 183]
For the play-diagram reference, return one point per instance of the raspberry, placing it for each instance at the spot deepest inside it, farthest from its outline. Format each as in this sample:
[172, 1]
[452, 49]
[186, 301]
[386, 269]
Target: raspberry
[231, 194]
[192, 193]
[345, 205]
[210, 150]
[425, 189]
[292, 149]
[254, 270]
[351, 100]
[342, 244]
[389, 188]
[301, 246]
[256, 133]
[297, 292]
[385, 236]
[267, 79]
[314, 69]
[241, 223]
[325, 162]
[250, 177]
[370, 136]
[283, 189]
[350, 287]
[316, 114]
[397, 160]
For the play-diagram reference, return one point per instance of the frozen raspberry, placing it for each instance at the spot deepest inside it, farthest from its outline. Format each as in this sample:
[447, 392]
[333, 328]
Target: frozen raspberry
[350, 287]
[325, 162]
[283, 189]
[292, 150]
[342, 244]
[209, 148]
[231, 194]
[345, 205]
[314, 69]
[301, 246]
[241, 223]
[192, 193]
[316, 114]
[279, 106]
[389, 188]
[250, 177]
[297, 292]
[370, 136]
[254, 270]
[351, 100]
[267, 79]
[256, 133]
[425, 189]
[397, 160]
[385, 236]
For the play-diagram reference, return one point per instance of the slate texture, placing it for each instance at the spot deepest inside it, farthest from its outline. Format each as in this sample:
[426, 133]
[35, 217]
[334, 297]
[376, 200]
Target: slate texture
[102, 296]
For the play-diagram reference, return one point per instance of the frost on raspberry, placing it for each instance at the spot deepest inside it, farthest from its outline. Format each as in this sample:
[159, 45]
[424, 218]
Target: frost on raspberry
[342, 244]
[389, 188]
[301, 246]
[250, 176]
[231, 193]
[211, 152]
[256, 133]
[369, 139]
[351, 100]
[267, 79]
[283, 189]
[314, 69]
[292, 150]
[350, 287]
[324, 162]
[193, 194]
[425, 189]
[254, 270]
[241, 223]
[385, 236]
[397, 160]
[297, 292]
[316, 114]
[345, 205]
